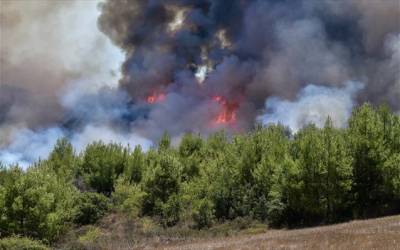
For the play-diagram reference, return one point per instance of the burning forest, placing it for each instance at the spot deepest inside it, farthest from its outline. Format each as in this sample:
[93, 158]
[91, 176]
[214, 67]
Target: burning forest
[130, 124]
[128, 71]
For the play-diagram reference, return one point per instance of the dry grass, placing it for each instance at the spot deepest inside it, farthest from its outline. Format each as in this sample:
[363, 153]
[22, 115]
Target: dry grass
[383, 233]
[120, 233]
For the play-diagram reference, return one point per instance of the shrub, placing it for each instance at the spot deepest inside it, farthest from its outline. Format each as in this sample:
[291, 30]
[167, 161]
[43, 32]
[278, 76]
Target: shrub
[128, 198]
[102, 164]
[90, 207]
[171, 210]
[203, 213]
[92, 234]
[21, 243]
[36, 204]
[161, 181]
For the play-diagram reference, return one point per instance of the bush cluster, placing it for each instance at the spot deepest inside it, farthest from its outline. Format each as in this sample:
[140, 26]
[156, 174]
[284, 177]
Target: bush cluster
[314, 176]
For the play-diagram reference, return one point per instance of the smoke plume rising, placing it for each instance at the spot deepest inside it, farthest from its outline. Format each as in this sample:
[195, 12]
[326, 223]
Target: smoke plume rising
[130, 70]
[313, 104]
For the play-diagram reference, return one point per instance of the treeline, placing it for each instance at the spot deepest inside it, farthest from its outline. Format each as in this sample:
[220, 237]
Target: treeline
[312, 177]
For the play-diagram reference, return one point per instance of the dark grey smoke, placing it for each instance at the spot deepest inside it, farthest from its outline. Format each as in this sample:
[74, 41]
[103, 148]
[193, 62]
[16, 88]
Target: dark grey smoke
[193, 58]
[275, 47]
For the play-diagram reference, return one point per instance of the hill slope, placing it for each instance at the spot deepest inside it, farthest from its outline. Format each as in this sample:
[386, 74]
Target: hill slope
[382, 233]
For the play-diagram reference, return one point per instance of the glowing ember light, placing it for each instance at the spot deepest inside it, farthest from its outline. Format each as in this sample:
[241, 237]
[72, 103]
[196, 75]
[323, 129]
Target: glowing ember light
[155, 97]
[227, 113]
[218, 99]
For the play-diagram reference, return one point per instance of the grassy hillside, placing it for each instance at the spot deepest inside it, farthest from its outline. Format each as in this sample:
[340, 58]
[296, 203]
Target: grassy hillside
[383, 233]
[118, 232]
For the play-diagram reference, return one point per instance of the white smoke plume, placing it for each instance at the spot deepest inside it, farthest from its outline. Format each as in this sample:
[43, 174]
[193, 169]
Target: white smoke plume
[46, 46]
[29, 146]
[127, 71]
[314, 104]
[55, 63]
[106, 134]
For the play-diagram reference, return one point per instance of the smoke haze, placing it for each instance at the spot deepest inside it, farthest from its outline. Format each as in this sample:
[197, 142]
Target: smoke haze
[313, 104]
[126, 71]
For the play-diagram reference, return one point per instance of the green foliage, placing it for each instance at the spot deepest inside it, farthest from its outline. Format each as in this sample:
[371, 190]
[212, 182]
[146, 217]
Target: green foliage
[203, 213]
[374, 143]
[162, 180]
[171, 210]
[190, 150]
[272, 158]
[165, 142]
[91, 235]
[102, 164]
[35, 203]
[128, 198]
[324, 177]
[269, 176]
[391, 176]
[62, 159]
[90, 207]
[222, 177]
[21, 243]
[134, 165]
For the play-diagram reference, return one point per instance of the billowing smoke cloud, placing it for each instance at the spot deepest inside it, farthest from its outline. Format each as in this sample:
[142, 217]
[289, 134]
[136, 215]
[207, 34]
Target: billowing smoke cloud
[250, 50]
[28, 146]
[313, 104]
[188, 65]
[59, 78]
[46, 45]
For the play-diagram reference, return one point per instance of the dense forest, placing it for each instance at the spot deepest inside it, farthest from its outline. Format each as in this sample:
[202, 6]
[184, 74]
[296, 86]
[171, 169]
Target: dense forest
[315, 176]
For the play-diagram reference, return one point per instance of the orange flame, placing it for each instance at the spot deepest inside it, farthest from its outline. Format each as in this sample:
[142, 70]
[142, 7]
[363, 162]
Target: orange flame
[227, 113]
[155, 97]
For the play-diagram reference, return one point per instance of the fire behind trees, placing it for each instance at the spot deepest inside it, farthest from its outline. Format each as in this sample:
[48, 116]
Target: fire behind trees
[316, 176]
